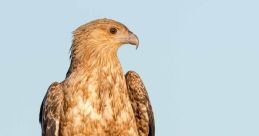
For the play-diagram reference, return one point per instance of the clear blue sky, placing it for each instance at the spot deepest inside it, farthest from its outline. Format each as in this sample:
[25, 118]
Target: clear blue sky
[198, 59]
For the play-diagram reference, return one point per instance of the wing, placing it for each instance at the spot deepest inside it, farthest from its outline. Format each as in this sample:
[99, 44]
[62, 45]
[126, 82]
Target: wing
[141, 104]
[50, 110]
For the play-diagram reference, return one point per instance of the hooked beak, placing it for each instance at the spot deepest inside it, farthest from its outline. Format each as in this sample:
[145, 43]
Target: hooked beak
[133, 39]
[129, 38]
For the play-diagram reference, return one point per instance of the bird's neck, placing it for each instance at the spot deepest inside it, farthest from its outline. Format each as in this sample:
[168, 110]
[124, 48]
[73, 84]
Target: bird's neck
[89, 58]
[97, 74]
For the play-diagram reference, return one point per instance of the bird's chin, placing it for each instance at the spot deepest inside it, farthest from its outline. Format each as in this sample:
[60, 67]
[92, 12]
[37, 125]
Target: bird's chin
[131, 45]
[127, 44]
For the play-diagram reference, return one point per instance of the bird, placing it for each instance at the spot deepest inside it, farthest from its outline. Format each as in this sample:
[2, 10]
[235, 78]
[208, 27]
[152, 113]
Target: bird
[96, 98]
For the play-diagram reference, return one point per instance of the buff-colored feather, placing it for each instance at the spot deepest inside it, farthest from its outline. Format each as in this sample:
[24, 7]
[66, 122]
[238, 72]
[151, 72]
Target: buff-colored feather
[94, 99]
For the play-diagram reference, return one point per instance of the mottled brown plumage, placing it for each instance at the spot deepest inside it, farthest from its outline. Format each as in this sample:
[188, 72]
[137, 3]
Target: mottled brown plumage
[140, 104]
[96, 99]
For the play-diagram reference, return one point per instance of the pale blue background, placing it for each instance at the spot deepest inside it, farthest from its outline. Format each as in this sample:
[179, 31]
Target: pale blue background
[198, 59]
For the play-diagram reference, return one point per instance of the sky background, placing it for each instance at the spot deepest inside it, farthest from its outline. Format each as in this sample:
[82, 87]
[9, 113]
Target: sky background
[198, 60]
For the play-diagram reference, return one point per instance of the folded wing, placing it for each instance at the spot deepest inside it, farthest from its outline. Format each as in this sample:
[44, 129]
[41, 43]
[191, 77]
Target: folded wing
[141, 104]
[50, 110]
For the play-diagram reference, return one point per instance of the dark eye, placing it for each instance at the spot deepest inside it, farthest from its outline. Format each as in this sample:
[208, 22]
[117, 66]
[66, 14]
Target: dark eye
[113, 30]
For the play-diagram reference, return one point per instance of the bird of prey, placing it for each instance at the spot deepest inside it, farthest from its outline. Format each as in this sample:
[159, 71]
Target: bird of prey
[96, 98]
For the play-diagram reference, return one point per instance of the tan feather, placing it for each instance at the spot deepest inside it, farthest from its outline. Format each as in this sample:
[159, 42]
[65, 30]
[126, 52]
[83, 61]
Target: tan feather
[141, 104]
[51, 109]
[93, 100]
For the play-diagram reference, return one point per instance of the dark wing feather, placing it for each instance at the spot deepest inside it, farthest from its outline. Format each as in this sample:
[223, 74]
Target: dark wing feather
[50, 110]
[141, 104]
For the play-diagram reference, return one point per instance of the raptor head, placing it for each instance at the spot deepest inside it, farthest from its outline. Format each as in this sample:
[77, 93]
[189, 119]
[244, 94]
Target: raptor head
[104, 35]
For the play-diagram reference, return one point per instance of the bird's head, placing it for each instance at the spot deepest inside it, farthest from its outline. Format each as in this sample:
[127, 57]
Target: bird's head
[103, 35]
